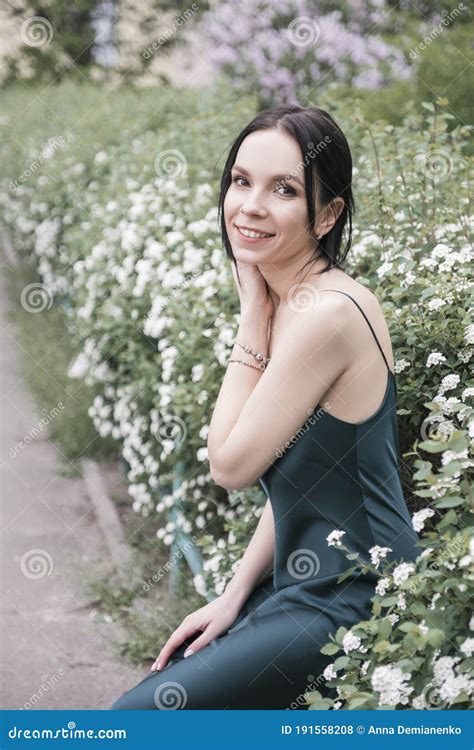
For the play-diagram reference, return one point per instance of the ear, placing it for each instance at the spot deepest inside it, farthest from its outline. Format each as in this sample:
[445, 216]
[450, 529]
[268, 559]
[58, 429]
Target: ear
[329, 216]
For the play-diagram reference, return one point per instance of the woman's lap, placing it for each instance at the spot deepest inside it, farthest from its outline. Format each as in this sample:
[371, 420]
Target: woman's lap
[267, 663]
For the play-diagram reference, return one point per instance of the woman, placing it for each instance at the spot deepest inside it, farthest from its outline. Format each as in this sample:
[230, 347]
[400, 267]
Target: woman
[309, 335]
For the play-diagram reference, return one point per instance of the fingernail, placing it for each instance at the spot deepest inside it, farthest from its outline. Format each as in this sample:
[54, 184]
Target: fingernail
[158, 666]
[188, 652]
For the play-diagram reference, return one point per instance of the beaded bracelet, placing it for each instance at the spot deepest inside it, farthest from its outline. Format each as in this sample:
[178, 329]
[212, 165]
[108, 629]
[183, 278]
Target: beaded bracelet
[261, 366]
[258, 356]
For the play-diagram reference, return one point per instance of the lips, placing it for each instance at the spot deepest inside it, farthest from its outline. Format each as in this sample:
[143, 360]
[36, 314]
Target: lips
[260, 234]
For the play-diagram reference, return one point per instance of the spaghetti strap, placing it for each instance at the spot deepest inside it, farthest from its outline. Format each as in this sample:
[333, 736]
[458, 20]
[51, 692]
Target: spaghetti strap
[365, 316]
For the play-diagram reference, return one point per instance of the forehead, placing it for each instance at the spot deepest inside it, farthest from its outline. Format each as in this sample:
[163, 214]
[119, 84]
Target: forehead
[269, 152]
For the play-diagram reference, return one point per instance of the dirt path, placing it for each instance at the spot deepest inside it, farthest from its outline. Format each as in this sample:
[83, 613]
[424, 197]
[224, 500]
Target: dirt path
[55, 648]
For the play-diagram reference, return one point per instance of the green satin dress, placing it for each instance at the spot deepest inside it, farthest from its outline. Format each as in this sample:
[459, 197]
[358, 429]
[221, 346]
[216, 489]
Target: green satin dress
[335, 476]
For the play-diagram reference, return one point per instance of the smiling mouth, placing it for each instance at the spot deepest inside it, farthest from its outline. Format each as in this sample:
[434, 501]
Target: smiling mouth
[253, 234]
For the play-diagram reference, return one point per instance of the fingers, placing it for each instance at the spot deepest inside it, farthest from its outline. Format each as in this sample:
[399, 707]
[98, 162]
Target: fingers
[202, 641]
[179, 635]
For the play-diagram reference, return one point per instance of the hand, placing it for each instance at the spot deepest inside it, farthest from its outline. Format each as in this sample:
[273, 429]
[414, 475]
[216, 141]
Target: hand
[253, 289]
[212, 619]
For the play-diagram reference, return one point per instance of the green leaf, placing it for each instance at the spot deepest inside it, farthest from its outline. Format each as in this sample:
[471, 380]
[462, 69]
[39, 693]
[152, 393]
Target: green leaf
[435, 637]
[450, 502]
[342, 662]
[346, 574]
[340, 633]
[357, 702]
[330, 648]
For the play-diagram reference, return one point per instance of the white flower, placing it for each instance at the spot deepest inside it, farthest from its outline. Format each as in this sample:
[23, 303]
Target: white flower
[329, 673]
[418, 519]
[435, 358]
[448, 456]
[197, 372]
[390, 683]
[377, 553]
[337, 705]
[364, 667]
[401, 601]
[402, 572]
[400, 365]
[434, 600]
[334, 538]
[436, 303]
[393, 618]
[449, 382]
[419, 703]
[382, 586]
[350, 642]
[467, 647]
[426, 552]
[202, 454]
[469, 334]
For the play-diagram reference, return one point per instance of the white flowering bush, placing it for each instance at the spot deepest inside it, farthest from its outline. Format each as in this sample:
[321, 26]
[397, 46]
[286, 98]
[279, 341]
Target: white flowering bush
[416, 650]
[124, 236]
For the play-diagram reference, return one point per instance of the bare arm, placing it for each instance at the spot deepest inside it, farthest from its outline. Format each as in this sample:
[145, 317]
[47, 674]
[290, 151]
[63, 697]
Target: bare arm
[257, 562]
[238, 383]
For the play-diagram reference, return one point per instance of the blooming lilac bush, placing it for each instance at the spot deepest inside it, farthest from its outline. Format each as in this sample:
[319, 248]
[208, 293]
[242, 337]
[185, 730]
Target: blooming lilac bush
[284, 48]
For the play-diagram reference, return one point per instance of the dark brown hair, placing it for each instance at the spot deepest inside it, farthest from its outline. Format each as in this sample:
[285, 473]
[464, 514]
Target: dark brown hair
[327, 164]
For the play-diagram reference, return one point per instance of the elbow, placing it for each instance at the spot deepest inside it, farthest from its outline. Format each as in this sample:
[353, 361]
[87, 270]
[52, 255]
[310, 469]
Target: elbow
[228, 481]
[222, 480]
[229, 474]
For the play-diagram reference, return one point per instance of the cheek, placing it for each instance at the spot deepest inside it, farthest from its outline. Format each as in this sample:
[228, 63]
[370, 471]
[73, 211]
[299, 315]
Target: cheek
[292, 216]
[230, 203]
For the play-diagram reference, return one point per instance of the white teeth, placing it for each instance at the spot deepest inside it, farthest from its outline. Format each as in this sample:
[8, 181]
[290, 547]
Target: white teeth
[248, 233]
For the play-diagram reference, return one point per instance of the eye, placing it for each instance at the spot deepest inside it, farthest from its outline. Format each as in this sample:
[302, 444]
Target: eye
[287, 187]
[238, 177]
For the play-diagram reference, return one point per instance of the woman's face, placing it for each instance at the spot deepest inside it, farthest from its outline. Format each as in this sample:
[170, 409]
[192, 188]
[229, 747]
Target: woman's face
[267, 194]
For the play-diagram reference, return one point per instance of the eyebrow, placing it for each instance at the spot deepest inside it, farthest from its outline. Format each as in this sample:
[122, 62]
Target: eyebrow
[275, 177]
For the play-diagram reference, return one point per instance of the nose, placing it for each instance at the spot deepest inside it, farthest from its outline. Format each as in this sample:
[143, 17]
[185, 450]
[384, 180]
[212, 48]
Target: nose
[253, 204]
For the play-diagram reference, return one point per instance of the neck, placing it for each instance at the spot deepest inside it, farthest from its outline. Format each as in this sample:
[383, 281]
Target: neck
[282, 280]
